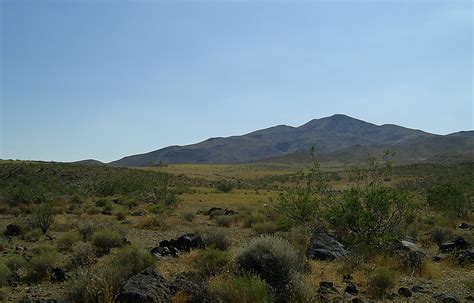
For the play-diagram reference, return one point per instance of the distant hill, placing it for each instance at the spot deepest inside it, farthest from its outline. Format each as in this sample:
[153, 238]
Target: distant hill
[338, 135]
[88, 162]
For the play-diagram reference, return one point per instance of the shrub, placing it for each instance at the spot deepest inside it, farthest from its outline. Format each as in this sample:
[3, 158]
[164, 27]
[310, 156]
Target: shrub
[244, 289]
[251, 219]
[106, 239]
[120, 213]
[86, 230]
[440, 235]
[450, 199]
[66, 241]
[34, 234]
[15, 211]
[225, 221]
[15, 262]
[101, 284]
[273, 259]
[42, 217]
[74, 202]
[156, 209]
[43, 260]
[189, 216]
[380, 282]
[82, 254]
[224, 186]
[216, 238]
[101, 202]
[265, 228]
[211, 261]
[5, 274]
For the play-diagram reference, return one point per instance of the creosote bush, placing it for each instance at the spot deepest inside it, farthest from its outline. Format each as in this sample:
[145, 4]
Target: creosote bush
[224, 221]
[43, 260]
[380, 282]
[101, 284]
[450, 199]
[106, 239]
[42, 217]
[15, 262]
[5, 274]
[244, 289]
[211, 261]
[66, 241]
[189, 216]
[82, 254]
[441, 234]
[216, 238]
[273, 259]
[33, 234]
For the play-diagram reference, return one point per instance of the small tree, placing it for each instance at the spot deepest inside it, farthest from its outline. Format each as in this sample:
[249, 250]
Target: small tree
[42, 217]
[224, 186]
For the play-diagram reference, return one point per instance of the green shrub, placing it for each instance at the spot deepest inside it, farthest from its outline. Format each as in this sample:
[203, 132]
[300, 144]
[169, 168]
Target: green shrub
[120, 213]
[101, 202]
[273, 259]
[82, 254]
[15, 262]
[244, 289]
[106, 239]
[34, 234]
[441, 234]
[265, 228]
[74, 202]
[42, 217]
[101, 284]
[224, 186]
[211, 261]
[5, 274]
[380, 282]
[156, 209]
[189, 216]
[216, 238]
[253, 218]
[450, 199]
[43, 260]
[225, 221]
[66, 241]
[86, 230]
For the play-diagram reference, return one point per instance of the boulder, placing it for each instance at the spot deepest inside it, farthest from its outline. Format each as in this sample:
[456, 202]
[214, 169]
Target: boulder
[326, 288]
[324, 247]
[466, 257]
[351, 289]
[161, 252]
[13, 230]
[463, 225]
[58, 274]
[405, 292]
[173, 247]
[149, 286]
[446, 298]
[457, 244]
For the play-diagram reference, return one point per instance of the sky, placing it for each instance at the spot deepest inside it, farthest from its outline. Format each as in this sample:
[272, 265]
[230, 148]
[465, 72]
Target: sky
[106, 79]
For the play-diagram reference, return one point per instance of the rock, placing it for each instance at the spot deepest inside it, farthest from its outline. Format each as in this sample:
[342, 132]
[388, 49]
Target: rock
[409, 245]
[214, 211]
[357, 300]
[469, 298]
[58, 274]
[326, 287]
[149, 286]
[229, 212]
[439, 258]
[13, 230]
[466, 256]
[446, 298]
[457, 244]
[351, 289]
[324, 247]
[347, 278]
[403, 291]
[463, 226]
[172, 248]
[418, 288]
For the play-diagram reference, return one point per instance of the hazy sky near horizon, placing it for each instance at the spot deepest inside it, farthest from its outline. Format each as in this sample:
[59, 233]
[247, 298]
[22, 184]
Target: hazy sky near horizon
[106, 79]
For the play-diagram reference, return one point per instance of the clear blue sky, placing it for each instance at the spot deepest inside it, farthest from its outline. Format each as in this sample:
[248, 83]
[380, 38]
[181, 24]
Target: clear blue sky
[106, 79]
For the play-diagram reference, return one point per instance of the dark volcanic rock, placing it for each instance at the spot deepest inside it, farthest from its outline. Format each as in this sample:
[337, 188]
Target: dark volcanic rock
[351, 289]
[463, 225]
[58, 274]
[324, 247]
[466, 256]
[173, 247]
[403, 291]
[149, 286]
[457, 244]
[326, 288]
[213, 211]
[13, 230]
[418, 288]
[446, 298]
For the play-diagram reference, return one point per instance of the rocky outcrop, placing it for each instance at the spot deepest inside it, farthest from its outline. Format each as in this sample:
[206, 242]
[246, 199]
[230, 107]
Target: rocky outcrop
[149, 286]
[173, 247]
[324, 247]
[457, 244]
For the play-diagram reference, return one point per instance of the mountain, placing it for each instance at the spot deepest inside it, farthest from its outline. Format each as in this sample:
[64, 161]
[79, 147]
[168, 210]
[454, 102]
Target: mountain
[329, 135]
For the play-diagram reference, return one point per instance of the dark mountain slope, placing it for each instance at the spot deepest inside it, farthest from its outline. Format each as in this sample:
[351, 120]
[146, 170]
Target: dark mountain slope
[328, 134]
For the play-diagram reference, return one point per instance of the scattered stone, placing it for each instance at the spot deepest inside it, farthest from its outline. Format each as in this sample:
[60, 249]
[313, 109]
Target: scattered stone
[58, 274]
[457, 244]
[446, 298]
[404, 292]
[351, 289]
[466, 256]
[326, 287]
[172, 248]
[149, 286]
[324, 247]
[439, 258]
[463, 225]
[418, 288]
[13, 230]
